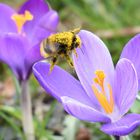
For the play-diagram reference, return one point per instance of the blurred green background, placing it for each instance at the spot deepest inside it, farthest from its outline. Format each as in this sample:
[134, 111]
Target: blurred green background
[115, 21]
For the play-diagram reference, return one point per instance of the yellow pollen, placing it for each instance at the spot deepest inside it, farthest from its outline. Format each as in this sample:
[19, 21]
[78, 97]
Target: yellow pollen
[78, 40]
[20, 19]
[107, 105]
[100, 76]
[64, 38]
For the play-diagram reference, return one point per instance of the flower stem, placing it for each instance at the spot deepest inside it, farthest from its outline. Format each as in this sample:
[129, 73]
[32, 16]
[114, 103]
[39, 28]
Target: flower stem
[117, 137]
[121, 137]
[125, 138]
[27, 119]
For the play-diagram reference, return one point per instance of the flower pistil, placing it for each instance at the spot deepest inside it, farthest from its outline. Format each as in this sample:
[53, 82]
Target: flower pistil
[21, 19]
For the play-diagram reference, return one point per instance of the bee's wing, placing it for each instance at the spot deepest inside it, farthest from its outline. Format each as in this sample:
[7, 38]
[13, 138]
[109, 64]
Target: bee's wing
[48, 47]
[53, 46]
[47, 50]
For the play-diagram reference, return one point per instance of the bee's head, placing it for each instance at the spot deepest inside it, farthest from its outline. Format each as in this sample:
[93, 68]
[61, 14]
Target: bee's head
[78, 41]
[77, 38]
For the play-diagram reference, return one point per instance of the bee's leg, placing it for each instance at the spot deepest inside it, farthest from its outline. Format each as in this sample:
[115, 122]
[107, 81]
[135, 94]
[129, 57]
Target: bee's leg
[75, 31]
[53, 62]
[75, 52]
[69, 60]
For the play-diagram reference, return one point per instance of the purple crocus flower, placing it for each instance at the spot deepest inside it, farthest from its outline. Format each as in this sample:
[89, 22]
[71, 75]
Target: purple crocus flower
[104, 94]
[131, 51]
[21, 33]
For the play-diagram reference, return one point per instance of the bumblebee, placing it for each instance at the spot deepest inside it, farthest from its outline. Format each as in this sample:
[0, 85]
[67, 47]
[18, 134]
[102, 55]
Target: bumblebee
[60, 45]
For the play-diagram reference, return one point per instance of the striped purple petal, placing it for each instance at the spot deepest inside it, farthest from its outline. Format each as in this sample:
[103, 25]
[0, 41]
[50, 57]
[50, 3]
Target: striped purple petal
[126, 85]
[93, 55]
[60, 83]
[131, 51]
[82, 111]
[122, 127]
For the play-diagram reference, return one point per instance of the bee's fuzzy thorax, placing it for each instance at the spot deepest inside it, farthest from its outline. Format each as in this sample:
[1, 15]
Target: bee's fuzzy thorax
[64, 38]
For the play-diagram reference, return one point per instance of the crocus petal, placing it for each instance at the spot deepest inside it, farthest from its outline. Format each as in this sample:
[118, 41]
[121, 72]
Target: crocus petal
[59, 83]
[125, 85]
[82, 111]
[47, 25]
[33, 55]
[38, 8]
[123, 126]
[6, 23]
[131, 51]
[93, 55]
[12, 52]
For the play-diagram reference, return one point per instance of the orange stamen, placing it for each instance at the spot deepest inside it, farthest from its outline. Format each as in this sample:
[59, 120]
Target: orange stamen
[111, 96]
[108, 106]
